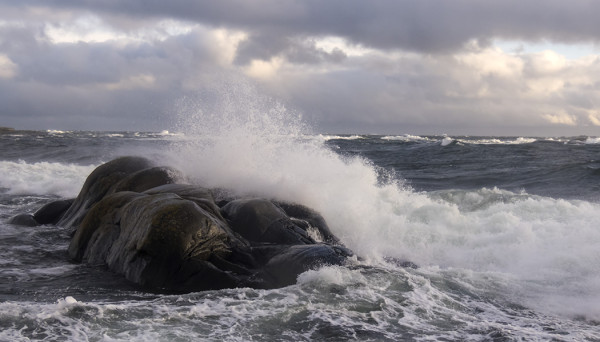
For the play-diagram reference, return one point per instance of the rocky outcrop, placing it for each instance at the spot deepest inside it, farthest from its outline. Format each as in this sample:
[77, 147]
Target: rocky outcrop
[50, 213]
[137, 220]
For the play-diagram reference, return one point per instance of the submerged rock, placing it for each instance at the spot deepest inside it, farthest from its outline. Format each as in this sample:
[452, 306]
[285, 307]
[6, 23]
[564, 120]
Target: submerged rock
[26, 220]
[52, 212]
[133, 217]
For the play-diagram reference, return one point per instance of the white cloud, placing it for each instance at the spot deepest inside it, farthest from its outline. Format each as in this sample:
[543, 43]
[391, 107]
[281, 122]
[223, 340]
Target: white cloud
[331, 44]
[90, 28]
[562, 118]
[141, 81]
[86, 28]
[263, 69]
[492, 61]
[227, 42]
[8, 69]
[546, 62]
[594, 117]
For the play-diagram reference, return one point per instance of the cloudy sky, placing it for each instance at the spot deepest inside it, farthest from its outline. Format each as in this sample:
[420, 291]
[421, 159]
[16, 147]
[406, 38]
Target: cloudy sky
[507, 67]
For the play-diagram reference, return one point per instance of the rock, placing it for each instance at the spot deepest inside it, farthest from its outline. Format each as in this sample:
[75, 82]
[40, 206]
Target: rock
[313, 218]
[101, 225]
[158, 241]
[26, 220]
[201, 196]
[284, 268]
[133, 218]
[53, 211]
[259, 220]
[98, 183]
[48, 214]
[146, 179]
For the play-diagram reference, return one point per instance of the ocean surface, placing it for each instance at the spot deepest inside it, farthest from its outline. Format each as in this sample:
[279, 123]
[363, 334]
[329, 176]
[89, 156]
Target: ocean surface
[505, 232]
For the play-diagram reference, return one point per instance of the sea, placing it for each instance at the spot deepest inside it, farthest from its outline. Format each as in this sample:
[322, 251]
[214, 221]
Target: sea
[504, 233]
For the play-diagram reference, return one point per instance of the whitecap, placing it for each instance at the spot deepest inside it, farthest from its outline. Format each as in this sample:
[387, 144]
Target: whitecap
[54, 131]
[340, 137]
[446, 141]
[406, 137]
[498, 141]
[592, 140]
[43, 178]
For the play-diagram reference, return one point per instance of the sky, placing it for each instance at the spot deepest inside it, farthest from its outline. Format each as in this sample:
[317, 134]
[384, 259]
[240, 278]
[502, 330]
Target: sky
[469, 67]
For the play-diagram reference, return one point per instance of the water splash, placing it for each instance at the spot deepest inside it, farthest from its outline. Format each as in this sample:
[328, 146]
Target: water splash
[237, 139]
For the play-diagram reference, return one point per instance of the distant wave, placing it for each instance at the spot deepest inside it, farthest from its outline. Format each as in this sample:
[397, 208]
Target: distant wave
[406, 137]
[498, 141]
[580, 140]
[591, 140]
[446, 141]
[54, 131]
[340, 137]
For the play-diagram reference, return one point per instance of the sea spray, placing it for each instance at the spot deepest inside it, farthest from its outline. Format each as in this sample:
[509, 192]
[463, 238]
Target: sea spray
[546, 247]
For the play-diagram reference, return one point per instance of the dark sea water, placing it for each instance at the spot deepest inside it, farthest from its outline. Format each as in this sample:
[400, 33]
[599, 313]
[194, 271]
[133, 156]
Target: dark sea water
[505, 230]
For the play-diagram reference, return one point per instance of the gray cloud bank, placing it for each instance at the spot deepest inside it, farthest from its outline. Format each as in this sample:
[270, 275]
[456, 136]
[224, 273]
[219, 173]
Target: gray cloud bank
[401, 67]
[426, 26]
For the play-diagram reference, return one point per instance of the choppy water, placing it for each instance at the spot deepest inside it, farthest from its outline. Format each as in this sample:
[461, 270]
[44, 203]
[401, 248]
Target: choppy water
[504, 229]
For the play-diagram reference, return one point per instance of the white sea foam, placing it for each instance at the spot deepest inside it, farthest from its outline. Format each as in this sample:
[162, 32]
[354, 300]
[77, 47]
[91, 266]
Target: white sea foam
[360, 303]
[49, 271]
[43, 178]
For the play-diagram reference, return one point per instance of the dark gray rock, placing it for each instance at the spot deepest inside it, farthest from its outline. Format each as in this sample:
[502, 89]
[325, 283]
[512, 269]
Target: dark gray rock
[52, 212]
[97, 185]
[259, 220]
[284, 268]
[203, 197]
[26, 220]
[101, 225]
[313, 218]
[146, 179]
[158, 241]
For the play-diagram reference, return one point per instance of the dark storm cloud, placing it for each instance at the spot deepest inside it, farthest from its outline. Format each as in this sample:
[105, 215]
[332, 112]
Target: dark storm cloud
[425, 26]
[112, 85]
